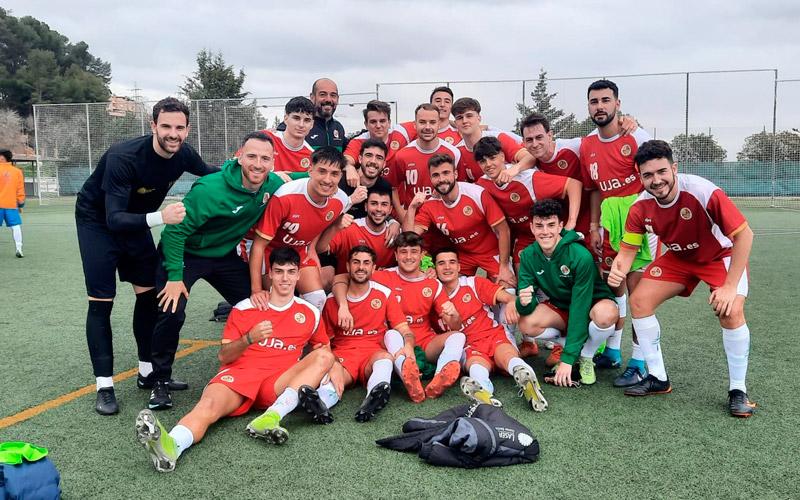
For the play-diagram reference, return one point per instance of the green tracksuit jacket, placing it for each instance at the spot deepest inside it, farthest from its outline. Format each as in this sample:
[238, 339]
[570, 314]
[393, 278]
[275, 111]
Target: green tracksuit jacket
[219, 212]
[570, 280]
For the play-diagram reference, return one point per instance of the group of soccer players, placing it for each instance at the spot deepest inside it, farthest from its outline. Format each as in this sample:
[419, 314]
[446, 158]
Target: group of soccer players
[418, 252]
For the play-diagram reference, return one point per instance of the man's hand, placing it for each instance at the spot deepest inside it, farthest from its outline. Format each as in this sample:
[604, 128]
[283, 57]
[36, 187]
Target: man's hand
[345, 319]
[595, 241]
[173, 213]
[563, 377]
[512, 315]
[260, 299]
[283, 175]
[344, 221]
[570, 225]
[508, 174]
[526, 295]
[336, 376]
[722, 298]
[506, 275]
[417, 201]
[449, 310]
[20, 210]
[351, 174]
[171, 294]
[359, 195]
[615, 276]
[392, 230]
[261, 331]
[627, 124]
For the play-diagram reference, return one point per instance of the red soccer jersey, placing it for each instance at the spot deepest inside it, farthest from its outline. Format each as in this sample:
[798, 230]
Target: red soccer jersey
[396, 140]
[358, 233]
[293, 219]
[373, 314]
[607, 164]
[696, 226]
[566, 161]
[288, 159]
[472, 299]
[468, 168]
[467, 223]
[409, 171]
[293, 326]
[449, 134]
[516, 197]
[418, 297]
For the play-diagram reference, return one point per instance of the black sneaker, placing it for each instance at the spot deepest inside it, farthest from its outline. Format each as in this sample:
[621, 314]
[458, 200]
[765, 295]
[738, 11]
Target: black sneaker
[19, 254]
[376, 400]
[143, 382]
[739, 405]
[106, 403]
[313, 405]
[649, 386]
[631, 376]
[603, 362]
[160, 398]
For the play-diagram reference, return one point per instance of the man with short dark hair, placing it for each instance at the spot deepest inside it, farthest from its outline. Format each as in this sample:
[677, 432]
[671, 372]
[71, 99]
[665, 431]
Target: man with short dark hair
[292, 151]
[12, 197]
[114, 211]
[325, 130]
[442, 98]
[372, 160]
[378, 122]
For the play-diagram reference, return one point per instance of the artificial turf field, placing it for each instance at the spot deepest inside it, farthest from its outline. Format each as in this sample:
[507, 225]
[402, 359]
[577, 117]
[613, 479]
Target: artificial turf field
[594, 441]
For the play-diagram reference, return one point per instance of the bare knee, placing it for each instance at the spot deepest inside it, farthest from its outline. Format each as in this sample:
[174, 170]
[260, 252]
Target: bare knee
[604, 314]
[528, 326]
[323, 359]
[734, 320]
[640, 305]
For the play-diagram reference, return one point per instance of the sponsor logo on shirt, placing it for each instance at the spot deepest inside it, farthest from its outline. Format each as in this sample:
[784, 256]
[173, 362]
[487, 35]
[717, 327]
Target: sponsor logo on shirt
[539, 273]
[227, 378]
[236, 210]
[315, 136]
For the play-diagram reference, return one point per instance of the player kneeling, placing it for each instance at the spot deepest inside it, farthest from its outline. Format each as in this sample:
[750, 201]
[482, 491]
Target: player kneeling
[559, 287]
[487, 345]
[261, 367]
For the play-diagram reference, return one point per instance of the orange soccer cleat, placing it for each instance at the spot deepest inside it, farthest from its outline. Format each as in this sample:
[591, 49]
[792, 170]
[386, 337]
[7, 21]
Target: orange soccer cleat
[442, 380]
[410, 376]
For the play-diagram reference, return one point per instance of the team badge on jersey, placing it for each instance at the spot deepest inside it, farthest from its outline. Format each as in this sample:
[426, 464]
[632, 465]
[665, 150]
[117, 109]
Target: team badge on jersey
[467, 210]
[625, 150]
[514, 197]
[265, 199]
[427, 292]
[300, 318]
[376, 303]
[564, 270]
[305, 163]
[329, 216]
[609, 261]
[562, 164]
[227, 378]
[655, 271]
[467, 297]
[686, 214]
[394, 145]
[335, 134]
[449, 140]
[144, 190]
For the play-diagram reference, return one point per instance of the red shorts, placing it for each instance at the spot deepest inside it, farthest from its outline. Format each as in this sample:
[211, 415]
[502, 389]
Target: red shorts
[669, 267]
[355, 360]
[257, 386]
[564, 315]
[471, 262]
[520, 244]
[423, 337]
[486, 346]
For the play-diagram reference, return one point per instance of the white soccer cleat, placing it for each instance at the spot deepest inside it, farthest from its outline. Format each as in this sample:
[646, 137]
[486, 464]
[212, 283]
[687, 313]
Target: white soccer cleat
[529, 388]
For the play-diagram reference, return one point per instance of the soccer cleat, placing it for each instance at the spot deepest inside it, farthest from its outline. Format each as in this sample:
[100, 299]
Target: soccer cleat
[475, 391]
[528, 349]
[19, 253]
[313, 405]
[442, 380]
[147, 382]
[106, 403]
[376, 400]
[555, 355]
[156, 440]
[160, 397]
[410, 376]
[267, 426]
[630, 377]
[530, 388]
[739, 405]
[649, 387]
[587, 371]
[604, 362]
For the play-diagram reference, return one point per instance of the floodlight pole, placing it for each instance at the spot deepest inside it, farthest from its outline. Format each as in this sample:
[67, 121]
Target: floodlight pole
[686, 118]
[199, 146]
[774, 137]
[38, 162]
[225, 126]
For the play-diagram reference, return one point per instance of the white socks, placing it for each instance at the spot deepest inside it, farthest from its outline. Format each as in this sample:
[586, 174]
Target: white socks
[316, 298]
[481, 375]
[145, 368]
[381, 372]
[327, 394]
[394, 342]
[286, 402]
[649, 332]
[183, 437]
[597, 336]
[103, 382]
[737, 349]
[515, 362]
[16, 233]
[453, 347]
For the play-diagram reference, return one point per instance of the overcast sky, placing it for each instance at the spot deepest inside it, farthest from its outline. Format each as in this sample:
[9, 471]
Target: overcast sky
[284, 46]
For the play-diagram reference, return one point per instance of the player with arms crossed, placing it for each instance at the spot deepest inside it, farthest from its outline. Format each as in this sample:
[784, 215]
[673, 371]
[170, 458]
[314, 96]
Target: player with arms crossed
[708, 240]
[608, 171]
[379, 336]
[260, 368]
[488, 345]
[560, 287]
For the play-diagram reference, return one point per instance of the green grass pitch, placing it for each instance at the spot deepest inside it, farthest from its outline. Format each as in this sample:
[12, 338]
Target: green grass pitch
[594, 441]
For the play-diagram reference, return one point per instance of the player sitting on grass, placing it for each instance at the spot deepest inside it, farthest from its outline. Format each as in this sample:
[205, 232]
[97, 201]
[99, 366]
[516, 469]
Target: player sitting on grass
[708, 239]
[487, 344]
[260, 368]
[379, 336]
[559, 287]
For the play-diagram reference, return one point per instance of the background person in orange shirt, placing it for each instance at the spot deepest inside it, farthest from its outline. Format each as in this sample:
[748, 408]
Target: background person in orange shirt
[12, 197]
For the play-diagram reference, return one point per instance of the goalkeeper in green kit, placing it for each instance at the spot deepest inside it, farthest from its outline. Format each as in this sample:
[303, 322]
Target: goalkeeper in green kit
[559, 287]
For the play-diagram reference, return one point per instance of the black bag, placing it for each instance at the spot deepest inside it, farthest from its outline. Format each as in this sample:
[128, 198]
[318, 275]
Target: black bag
[220, 314]
[467, 436]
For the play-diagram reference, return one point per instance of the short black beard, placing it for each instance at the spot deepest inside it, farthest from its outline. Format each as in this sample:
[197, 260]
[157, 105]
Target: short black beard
[604, 122]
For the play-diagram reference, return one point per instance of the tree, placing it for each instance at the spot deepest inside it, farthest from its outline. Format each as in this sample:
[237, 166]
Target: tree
[697, 148]
[39, 65]
[759, 147]
[563, 125]
[213, 79]
[11, 126]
